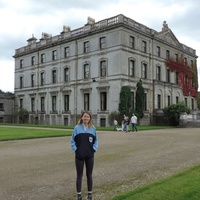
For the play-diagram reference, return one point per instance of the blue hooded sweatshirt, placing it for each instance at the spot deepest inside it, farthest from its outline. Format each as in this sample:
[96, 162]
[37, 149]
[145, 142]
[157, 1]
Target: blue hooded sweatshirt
[84, 142]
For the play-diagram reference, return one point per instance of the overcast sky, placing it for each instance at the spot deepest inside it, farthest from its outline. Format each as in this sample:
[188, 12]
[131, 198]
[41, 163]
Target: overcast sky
[22, 18]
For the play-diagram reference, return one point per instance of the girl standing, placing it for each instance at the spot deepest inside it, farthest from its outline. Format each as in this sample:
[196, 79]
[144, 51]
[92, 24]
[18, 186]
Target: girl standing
[84, 143]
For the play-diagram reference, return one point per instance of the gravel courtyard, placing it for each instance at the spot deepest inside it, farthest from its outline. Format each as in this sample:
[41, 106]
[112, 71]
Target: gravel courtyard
[43, 169]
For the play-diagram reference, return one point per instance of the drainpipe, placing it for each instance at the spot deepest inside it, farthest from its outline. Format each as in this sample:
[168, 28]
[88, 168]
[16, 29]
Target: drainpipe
[76, 82]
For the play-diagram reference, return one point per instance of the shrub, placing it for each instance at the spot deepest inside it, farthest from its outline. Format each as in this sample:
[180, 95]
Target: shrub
[172, 113]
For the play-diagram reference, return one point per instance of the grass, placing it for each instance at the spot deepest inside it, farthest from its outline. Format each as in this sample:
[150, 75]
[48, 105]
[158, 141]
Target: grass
[10, 133]
[182, 186]
[110, 128]
[26, 131]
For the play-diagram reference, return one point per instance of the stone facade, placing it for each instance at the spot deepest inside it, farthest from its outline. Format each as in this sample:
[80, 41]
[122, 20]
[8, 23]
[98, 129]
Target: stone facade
[6, 107]
[58, 77]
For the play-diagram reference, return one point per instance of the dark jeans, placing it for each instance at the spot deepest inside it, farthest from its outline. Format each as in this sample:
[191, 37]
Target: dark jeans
[89, 163]
[134, 126]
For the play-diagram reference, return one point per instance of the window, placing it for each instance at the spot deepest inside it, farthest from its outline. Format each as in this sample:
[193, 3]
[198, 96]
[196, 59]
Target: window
[192, 102]
[176, 57]
[186, 102]
[21, 63]
[21, 103]
[158, 51]
[32, 80]
[159, 101]
[103, 68]
[144, 46]
[185, 61]
[192, 64]
[193, 83]
[66, 52]
[158, 73]
[86, 69]
[177, 99]
[54, 103]
[144, 70]
[21, 82]
[66, 74]
[1, 107]
[186, 80]
[132, 42]
[103, 100]
[145, 101]
[168, 100]
[86, 101]
[33, 60]
[32, 104]
[176, 77]
[54, 55]
[86, 47]
[132, 101]
[42, 58]
[54, 76]
[132, 68]
[167, 54]
[42, 78]
[168, 75]
[42, 100]
[66, 103]
[102, 42]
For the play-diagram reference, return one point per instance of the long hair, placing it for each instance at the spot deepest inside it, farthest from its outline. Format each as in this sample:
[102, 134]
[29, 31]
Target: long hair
[80, 121]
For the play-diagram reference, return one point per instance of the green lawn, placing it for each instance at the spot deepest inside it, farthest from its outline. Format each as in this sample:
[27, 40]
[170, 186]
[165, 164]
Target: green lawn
[182, 186]
[26, 131]
[11, 133]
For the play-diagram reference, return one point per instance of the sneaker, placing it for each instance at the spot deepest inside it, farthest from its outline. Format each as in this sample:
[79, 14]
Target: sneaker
[89, 198]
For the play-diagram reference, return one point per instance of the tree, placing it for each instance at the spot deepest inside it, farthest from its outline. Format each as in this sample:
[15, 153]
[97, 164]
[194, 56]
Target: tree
[125, 101]
[139, 107]
[23, 115]
[172, 113]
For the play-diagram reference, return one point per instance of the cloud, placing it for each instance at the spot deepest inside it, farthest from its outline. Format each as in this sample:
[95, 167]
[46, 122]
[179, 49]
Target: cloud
[26, 17]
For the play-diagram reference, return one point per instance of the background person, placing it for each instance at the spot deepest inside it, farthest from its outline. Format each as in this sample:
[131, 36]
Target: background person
[134, 122]
[115, 124]
[84, 142]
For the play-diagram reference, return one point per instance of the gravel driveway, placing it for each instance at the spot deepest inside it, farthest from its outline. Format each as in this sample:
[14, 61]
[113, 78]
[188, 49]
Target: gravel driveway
[43, 169]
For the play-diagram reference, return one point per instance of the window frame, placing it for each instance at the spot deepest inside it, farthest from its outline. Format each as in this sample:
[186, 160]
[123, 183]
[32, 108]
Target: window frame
[54, 55]
[42, 80]
[86, 99]
[144, 46]
[86, 71]
[132, 42]
[158, 49]
[66, 74]
[54, 76]
[66, 52]
[103, 68]
[103, 101]
[167, 54]
[66, 102]
[32, 104]
[33, 60]
[144, 70]
[42, 104]
[102, 42]
[42, 58]
[54, 106]
[86, 47]
[132, 67]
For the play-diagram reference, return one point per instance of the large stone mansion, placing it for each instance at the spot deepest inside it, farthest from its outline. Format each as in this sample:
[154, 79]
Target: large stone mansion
[57, 77]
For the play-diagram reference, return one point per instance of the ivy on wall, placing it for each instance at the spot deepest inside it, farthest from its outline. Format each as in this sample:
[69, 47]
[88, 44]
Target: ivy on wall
[187, 76]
